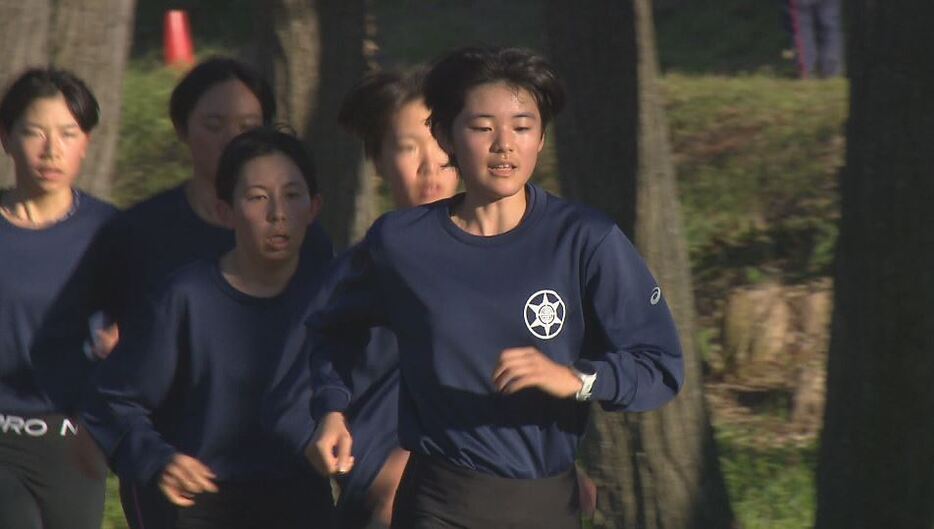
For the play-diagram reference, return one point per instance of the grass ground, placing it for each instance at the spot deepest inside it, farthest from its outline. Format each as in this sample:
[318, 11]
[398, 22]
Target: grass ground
[113, 514]
[757, 154]
[771, 487]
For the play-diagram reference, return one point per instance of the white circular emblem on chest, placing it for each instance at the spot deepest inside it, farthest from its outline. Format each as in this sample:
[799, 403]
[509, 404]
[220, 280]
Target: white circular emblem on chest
[544, 314]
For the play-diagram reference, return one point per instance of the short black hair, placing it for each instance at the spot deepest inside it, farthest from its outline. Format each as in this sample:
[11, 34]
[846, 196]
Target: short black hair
[37, 83]
[213, 71]
[369, 106]
[258, 142]
[459, 71]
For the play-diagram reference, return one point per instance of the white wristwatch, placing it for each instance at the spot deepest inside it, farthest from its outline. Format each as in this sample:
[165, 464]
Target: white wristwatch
[587, 374]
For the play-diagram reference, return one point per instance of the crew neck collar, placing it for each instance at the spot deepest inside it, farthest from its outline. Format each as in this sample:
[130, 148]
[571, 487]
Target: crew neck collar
[536, 205]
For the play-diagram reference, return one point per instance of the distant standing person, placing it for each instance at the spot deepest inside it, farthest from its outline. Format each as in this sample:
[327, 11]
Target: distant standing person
[817, 35]
[51, 476]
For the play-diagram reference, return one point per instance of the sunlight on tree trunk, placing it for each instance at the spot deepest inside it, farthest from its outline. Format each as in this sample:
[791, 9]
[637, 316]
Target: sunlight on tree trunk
[92, 39]
[24, 29]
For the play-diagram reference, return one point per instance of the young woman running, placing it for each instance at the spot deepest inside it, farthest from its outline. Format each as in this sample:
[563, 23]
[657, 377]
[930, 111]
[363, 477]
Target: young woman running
[217, 100]
[179, 403]
[512, 309]
[387, 111]
[51, 475]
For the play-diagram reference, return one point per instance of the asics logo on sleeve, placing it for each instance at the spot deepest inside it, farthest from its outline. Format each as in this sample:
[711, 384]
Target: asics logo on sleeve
[656, 296]
[544, 314]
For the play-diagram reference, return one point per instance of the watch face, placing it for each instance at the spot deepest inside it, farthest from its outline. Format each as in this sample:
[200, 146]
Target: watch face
[585, 367]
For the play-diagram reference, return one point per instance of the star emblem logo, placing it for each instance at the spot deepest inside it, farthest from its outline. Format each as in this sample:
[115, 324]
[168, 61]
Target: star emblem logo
[544, 314]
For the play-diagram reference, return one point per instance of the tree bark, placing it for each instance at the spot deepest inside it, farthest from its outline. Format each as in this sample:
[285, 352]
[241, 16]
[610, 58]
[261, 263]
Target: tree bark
[313, 53]
[24, 29]
[657, 470]
[92, 38]
[88, 37]
[876, 461]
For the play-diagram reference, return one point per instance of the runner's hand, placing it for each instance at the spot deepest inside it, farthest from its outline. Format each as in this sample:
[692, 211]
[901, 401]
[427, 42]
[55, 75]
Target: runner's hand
[183, 478]
[526, 367]
[329, 451]
[105, 340]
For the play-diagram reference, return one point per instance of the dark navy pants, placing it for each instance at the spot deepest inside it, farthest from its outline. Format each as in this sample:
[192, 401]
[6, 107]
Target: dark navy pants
[817, 29]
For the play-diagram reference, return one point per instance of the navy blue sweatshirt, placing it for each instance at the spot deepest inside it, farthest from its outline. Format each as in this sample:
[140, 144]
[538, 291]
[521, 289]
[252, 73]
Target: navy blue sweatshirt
[566, 280]
[48, 281]
[161, 234]
[190, 374]
[372, 415]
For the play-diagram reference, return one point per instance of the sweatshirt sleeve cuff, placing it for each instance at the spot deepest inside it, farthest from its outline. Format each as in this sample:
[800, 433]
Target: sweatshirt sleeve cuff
[156, 465]
[129, 464]
[327, 400]
[299, 436]
[609, 385]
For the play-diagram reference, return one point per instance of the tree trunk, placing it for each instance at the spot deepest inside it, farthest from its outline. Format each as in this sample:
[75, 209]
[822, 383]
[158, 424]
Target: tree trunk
[313, 53]
[657, 470]
[88, 37]
[92, 39]
[289, 49]
[876, 465]
[24, 28]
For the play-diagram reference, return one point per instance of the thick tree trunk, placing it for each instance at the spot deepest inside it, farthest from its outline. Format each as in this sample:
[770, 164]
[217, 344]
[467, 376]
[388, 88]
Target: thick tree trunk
[313, 53]
[657, 470]
[876, 466]
[24, 29]
[92, 39]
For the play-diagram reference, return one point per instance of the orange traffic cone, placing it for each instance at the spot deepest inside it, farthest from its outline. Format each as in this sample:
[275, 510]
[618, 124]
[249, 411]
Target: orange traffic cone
[178, 48]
